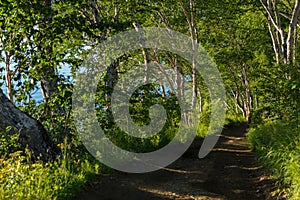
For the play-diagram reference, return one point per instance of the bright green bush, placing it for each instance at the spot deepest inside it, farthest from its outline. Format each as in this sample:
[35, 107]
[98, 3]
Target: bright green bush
[277, 144]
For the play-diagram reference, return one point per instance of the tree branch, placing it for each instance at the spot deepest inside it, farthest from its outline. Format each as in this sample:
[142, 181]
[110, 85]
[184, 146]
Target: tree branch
[270, 15]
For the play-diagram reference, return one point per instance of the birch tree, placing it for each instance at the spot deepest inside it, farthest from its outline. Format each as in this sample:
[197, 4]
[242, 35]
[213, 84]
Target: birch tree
[283, 34]
[193, 31]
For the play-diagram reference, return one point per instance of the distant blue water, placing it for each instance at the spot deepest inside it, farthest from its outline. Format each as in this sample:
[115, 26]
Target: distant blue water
[37, 94]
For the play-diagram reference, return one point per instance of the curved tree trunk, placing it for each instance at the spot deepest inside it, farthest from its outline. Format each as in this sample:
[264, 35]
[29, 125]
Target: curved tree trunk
[31, 132]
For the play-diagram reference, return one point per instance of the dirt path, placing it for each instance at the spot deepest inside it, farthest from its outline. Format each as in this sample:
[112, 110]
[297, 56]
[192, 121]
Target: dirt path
[230, 171]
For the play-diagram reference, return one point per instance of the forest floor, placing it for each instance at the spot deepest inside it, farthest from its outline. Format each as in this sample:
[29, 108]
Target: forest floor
[230, 172]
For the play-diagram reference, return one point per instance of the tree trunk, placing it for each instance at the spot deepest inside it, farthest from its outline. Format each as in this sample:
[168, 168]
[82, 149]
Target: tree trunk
[291, 42]
[49, 77]
[8, 77]
[146, 54]
[31, 132]
[95, 12]
[111, 79]
[190, 18]
[283, 42]
[248, 104]
[195, 40]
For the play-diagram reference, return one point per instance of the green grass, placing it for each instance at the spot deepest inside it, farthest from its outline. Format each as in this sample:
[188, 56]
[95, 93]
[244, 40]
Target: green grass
[20, 178]
[234, 120]
[277, 144]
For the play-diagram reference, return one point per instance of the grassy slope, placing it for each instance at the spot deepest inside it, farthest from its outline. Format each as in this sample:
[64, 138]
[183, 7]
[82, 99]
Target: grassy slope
[277, 145]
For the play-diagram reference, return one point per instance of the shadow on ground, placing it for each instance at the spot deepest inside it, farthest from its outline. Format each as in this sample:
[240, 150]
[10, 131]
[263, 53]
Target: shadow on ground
[230, 171]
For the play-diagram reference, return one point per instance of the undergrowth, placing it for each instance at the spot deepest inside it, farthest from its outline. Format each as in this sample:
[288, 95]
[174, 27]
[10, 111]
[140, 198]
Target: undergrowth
[21, 178]
[277, 144]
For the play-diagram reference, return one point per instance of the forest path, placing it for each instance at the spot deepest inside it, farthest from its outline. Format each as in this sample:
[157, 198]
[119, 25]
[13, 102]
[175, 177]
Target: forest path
[229, 172]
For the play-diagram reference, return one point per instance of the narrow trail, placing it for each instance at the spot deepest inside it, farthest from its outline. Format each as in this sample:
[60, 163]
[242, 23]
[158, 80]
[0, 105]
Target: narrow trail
[229, 172]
